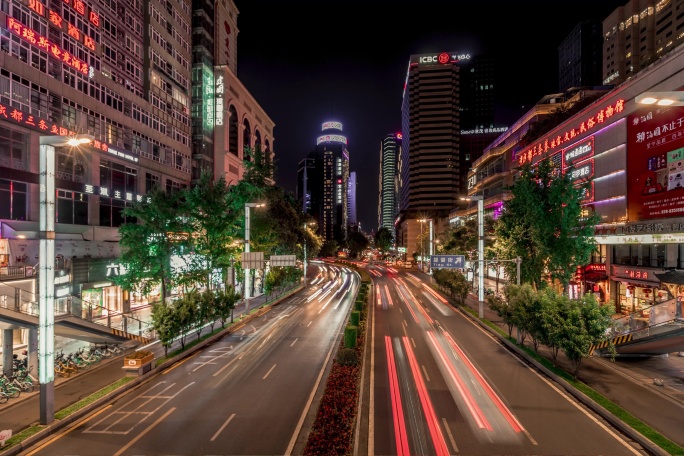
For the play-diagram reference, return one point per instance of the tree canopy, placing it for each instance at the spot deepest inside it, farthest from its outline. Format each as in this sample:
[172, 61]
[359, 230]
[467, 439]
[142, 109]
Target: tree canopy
[543, 224]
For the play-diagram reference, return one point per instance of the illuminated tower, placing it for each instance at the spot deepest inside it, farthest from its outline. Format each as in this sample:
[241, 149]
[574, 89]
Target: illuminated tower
[387, 201]
[332, 167]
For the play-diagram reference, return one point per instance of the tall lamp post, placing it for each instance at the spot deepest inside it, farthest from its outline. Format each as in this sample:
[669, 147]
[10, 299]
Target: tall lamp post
[248, 290]
[480, 249]
[305, 236]
[46, 270]
[422, 242]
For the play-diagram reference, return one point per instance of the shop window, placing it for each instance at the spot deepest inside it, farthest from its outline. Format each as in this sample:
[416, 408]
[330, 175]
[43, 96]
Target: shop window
[111, 212]
[72, 207]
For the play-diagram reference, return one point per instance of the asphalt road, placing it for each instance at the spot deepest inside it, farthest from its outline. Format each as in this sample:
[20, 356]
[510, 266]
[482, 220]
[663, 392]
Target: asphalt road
[247, 393]
[441, 384]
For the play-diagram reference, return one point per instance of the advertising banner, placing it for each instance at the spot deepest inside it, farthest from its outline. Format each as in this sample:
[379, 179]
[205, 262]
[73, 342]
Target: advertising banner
[655, 163]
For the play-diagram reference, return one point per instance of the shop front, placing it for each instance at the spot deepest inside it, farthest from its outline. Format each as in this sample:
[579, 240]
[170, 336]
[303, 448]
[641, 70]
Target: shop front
[596, 281]
[637, 289]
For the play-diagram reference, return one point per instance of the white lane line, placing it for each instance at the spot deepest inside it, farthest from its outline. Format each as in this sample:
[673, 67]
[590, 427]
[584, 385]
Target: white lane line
[451, 436]
[222, 427]
[427, 377]
[309, 324]
[294, 341]
[269, 371]
[142, 434]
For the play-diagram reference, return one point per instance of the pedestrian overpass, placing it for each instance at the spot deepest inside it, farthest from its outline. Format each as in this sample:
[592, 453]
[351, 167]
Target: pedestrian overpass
[657, 330]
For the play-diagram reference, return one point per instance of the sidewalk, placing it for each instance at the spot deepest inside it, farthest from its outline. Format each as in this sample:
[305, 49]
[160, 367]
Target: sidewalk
[629, 382]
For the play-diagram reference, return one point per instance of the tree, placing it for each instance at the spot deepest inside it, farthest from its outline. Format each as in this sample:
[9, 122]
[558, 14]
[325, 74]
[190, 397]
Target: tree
[147, 244]
[329, 248]
[384, 239]
[165, 324]
[461, 239]
[357, 242]
[587, 323]
[212, 222]
[542, 224]
[224, 302]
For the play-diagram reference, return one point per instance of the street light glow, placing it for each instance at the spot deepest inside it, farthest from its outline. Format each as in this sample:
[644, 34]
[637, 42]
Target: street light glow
[77, 141]
[661, 98]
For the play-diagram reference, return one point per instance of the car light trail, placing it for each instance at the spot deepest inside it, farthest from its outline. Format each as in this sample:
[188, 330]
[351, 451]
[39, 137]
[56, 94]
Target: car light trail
[389, 297]
[429, 411]
[470, 403]
[488, 389]
[400, 435]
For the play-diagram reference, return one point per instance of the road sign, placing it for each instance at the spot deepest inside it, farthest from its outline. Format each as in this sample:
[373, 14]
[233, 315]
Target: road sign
[447, 261]
[283, 260]
[401, 249]
[252, 260]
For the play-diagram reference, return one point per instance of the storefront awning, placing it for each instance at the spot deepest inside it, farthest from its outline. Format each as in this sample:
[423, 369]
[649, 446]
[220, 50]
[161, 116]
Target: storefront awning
[674, 276]
[638, 283]
[595, 276]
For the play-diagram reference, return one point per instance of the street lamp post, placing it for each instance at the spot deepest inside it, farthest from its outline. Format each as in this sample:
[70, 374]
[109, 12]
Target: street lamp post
[248, 290]
[480, 249]
[46, 271]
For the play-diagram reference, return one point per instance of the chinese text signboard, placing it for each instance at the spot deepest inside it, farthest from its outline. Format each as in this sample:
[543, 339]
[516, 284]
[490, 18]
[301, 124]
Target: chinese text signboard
[655, 163]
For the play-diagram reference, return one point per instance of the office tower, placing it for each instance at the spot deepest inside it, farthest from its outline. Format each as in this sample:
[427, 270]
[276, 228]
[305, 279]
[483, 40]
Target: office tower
[638, 34]
[324, 176]
[443, 92]
[580, 56]
[351, 198]
[390, 148]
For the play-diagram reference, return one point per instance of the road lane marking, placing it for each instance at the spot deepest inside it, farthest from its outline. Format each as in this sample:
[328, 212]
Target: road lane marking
[74, 426]
[222, 427]
[269, 371]
[294, 341]
[142, 434]
[427, 377]
[450, 435]
[179, 363]
[309, 323]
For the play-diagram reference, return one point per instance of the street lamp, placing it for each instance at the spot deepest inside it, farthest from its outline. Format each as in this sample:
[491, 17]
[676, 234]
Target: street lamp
[247, 291]
[661, 98]
[430, 248]
[305, 236]
[46, 271]
[480, 249]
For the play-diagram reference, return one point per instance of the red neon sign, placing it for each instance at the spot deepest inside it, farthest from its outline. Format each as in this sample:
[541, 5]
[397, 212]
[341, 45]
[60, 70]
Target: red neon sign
[38, 7]
[41, 42]
[600, 117]
[36, 123]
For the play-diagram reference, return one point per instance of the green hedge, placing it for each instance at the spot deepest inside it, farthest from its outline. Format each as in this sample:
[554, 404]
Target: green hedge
[350, 334]
[355, 318]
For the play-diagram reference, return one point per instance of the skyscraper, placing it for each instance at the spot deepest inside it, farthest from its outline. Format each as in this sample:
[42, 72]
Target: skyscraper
[351, 197]
[324, 175]
[390, 148]
[580, 56]
[444, 94]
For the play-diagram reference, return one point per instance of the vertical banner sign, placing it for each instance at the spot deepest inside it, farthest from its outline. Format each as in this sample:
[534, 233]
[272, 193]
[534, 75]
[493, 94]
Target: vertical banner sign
[655, 163]
[218, 90]
[208, 83]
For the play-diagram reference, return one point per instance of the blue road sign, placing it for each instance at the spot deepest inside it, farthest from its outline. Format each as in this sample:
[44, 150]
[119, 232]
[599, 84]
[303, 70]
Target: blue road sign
[447, 261]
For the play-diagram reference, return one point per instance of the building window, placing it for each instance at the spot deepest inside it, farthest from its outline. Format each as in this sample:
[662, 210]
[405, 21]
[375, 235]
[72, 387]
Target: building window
[13, 147]
[111, 212]
[72, 207]
[117, 177]
[13, 198]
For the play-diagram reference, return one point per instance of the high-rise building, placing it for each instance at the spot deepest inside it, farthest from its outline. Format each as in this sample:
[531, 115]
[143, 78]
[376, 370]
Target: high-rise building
[445, 93]
[324, 176]
[390, 149]
[127, 74]
[638, 34]
[580, 56]
[352, 221]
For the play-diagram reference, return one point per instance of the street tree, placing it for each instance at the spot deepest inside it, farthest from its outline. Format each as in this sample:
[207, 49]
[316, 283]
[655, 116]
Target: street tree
[211, 220]
[357, 242]
[384, 239]
[543, 224]
[155, 229]
[329, 248]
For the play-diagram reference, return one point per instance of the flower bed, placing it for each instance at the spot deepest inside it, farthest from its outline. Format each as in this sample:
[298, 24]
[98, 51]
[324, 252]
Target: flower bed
[138, 359]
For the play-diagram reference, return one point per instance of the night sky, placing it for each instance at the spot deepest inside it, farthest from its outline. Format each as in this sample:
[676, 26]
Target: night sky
[306, 63]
